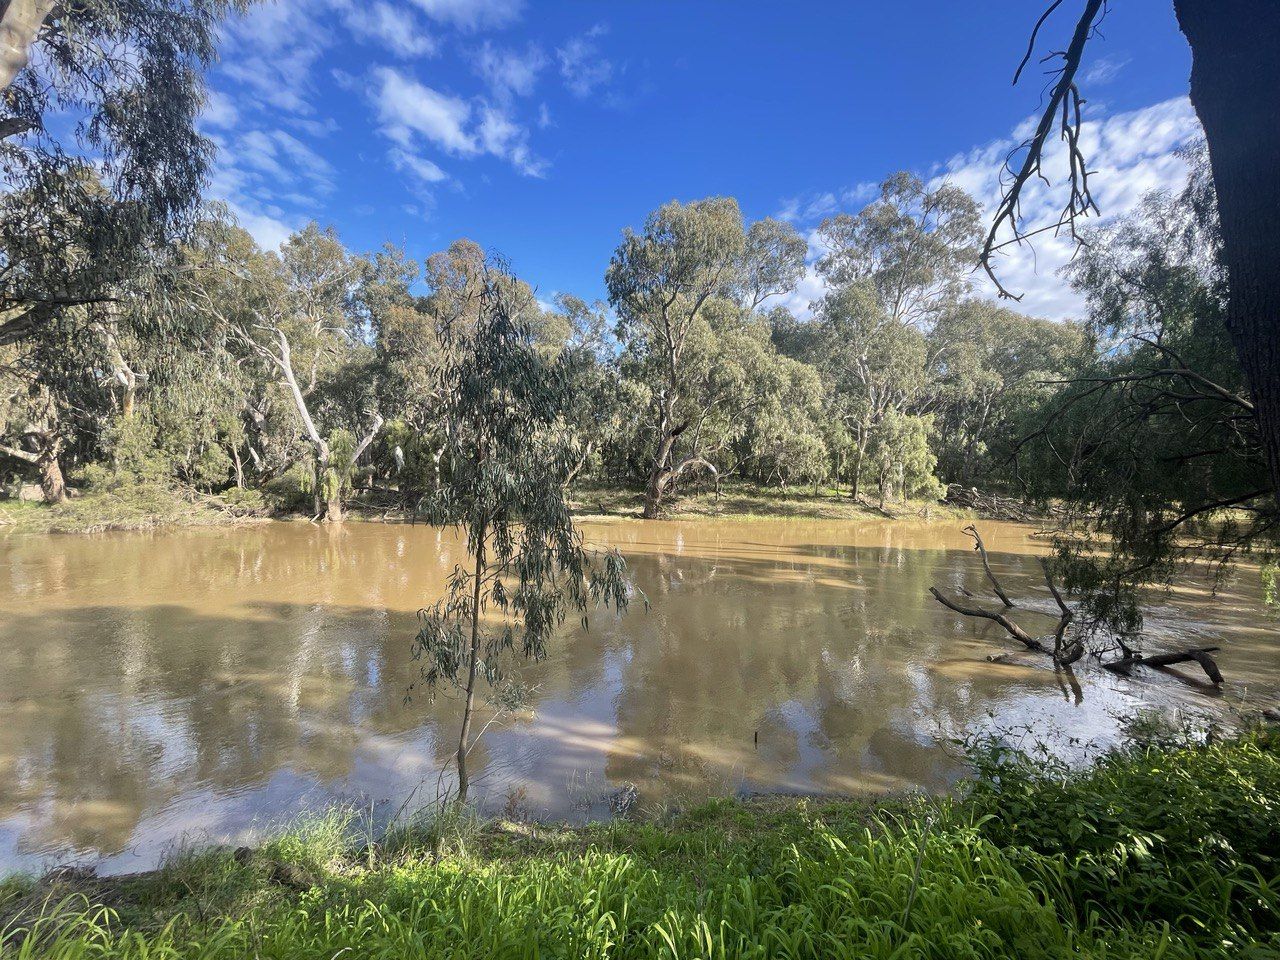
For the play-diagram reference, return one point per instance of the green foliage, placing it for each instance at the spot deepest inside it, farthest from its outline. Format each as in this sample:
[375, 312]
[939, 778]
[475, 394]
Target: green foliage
[506, 461]
[900, 458]
[1189, 837]
[89, 202]
[504, 464]
[1151, 443]
[1031, 864]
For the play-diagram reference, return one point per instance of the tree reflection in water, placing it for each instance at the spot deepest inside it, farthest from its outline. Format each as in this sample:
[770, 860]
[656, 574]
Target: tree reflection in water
[202, 684]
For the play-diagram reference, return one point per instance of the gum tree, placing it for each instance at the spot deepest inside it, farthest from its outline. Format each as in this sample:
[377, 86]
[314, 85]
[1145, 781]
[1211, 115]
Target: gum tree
[504, 465]
[664, 283]
[126, 177]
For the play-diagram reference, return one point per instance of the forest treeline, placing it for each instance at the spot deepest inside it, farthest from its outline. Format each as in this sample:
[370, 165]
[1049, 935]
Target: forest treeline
[311, 371]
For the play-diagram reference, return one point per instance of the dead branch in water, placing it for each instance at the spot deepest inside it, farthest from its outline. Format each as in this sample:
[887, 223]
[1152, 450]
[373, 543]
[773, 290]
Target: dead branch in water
[1063, 654]
[981, 548]
[1064, 651]
[1015, 631]
[1198, 655]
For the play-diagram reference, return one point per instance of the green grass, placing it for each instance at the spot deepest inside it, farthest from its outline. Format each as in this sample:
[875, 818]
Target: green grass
[147, 506]
[1154, 853]
[747, 501]
[144, 506]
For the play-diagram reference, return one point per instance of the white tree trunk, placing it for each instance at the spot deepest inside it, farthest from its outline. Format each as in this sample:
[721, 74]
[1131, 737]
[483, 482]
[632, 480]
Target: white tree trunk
[19, 24]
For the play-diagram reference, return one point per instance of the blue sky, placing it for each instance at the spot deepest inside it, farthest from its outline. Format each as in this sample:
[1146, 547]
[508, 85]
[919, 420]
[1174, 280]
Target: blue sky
[540, 130]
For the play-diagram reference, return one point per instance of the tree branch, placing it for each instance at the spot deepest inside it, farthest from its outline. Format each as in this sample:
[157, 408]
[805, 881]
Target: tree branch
[981, 548]
[1064, 108]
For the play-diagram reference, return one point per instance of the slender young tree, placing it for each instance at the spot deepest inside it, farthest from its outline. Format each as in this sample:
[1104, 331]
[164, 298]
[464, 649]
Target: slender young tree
[505, 463]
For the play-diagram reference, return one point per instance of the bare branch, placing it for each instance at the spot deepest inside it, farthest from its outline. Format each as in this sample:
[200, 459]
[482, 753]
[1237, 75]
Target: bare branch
[1063, 108]
[1015, 631]
[979, 546]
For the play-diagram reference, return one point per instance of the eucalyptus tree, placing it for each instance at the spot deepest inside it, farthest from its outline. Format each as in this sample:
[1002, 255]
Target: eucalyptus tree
[915, 246]
[1235, 86]
[121, 178]
[773, 260]
[989, 369]
[295, 315]
[1153, 443]
[873, 367]
[505, 463]
[660, 282]
[663, 282]
[308, 333]
[411, 335]
[749, 407]
[599, 409]
[901, 457]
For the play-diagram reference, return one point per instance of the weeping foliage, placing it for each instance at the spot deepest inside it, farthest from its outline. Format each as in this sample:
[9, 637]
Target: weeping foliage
[100, 151]
[504, 462]
[1152, 443]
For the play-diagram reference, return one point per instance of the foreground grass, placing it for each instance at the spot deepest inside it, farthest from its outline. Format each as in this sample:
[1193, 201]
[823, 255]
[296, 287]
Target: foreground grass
[1156, 853]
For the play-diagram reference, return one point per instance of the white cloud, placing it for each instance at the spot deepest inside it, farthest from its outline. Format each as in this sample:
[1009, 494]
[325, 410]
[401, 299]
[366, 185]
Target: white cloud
[1130, 154]
[219, 110]
[268, 231]
[271, 50]
[1104, 70]
[472, 14]
[420, 167]
[393, 27]
[502, 137]
[582, 65]
[413, 115]
[817, 206]
[407, 107]
[507, 72]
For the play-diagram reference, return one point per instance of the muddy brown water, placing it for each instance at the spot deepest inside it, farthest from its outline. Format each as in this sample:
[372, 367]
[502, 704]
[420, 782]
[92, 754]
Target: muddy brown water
[202, 686]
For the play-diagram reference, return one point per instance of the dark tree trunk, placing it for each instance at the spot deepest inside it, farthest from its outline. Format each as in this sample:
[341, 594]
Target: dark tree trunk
[660, 473]
[659, 480]
[464, 781]
[1235, 88]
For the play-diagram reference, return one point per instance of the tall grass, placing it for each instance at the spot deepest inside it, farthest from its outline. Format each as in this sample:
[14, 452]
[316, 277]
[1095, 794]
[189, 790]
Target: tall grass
[1032, 864]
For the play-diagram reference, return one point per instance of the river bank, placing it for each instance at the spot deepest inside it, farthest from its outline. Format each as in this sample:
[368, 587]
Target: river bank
[1158, 850]
[154, 507]
[139, 507]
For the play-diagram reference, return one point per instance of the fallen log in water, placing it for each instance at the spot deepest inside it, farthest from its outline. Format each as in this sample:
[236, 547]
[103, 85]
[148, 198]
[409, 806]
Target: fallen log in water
[1066, 652]
[1198, 655]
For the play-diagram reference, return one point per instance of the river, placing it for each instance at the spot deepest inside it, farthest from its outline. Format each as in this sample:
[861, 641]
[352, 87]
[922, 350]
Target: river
[207, 685]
